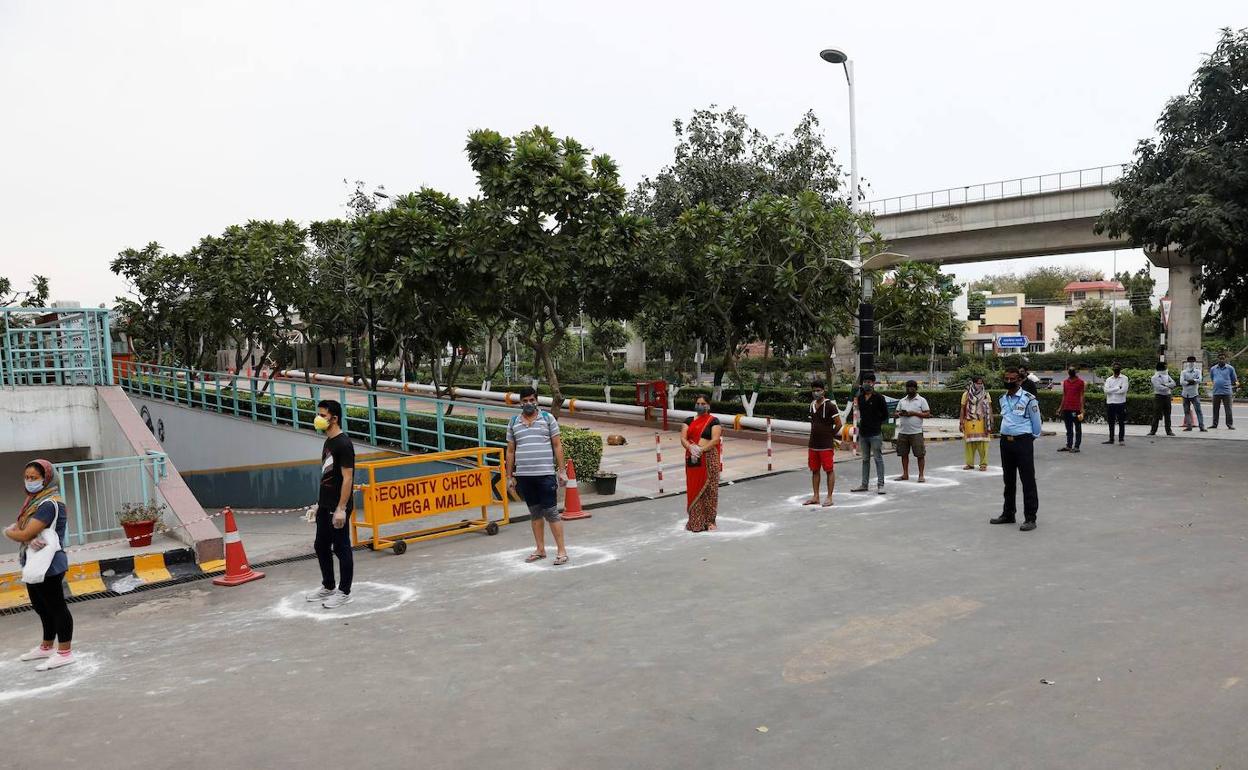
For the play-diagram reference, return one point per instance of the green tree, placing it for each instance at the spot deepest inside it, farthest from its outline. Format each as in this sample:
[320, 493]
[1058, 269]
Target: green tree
[168, 313]
[550, 237]
[723, 161]
[914, 309]
[35, 296]
[976, 304]
[1139, 286]
[1138, 330]
[1186, 188]
[605, 337]
[1088, 327]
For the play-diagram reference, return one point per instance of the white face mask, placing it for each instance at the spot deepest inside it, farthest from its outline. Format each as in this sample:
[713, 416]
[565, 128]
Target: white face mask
[33, 486]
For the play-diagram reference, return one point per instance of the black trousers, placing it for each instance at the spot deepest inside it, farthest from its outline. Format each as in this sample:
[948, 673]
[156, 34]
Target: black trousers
[331, 542]
[1161, 408]
[1117, 415]
[48, 601]
[1074, 428]
[1018, 460]
[1219, 401]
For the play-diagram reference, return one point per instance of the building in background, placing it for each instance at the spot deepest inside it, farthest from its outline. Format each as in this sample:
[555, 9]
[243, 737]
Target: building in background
[1079, 292]
[1009, 315]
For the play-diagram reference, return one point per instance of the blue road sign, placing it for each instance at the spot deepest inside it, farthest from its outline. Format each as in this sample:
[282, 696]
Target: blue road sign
[1017, 341]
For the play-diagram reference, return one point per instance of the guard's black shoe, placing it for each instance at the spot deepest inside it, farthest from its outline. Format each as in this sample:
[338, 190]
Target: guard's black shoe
[1002, 520]
[1027, 526]
[1108, 442]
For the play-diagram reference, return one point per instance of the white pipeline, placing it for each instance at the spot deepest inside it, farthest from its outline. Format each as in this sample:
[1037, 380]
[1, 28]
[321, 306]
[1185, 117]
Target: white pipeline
[571, 404]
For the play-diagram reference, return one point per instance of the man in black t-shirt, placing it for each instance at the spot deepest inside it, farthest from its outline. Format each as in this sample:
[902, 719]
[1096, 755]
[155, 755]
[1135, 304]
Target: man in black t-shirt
[825, 422]
[334, 505]
[872, 411]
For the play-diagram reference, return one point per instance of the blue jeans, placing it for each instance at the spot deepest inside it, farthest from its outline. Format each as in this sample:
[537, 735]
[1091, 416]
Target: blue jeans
[1193, 402]
[872, 446]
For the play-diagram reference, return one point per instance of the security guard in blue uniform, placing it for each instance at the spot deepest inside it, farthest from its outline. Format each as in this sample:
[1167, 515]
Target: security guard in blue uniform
[1020, 427]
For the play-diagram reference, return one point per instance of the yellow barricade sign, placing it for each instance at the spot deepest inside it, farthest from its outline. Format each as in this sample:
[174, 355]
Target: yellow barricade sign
[481, 486]
[431, 495]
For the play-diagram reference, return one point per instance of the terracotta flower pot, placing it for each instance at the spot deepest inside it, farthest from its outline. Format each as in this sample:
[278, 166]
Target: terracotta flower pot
[139, 533]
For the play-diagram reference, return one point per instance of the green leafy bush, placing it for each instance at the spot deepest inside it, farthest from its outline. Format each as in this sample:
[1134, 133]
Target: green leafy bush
[584, 449]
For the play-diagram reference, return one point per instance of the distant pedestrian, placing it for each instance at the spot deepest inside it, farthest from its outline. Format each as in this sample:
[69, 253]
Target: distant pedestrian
[872, 413]
[334, 506]
[1028, 381]
[1163, 390]
[536, 471]
[1116, 388]
[1072, 409]
[825, 422]
[1020, 427]
[1189, 378]
[1225, 383]
[701, 436]
[911, 411]
[975, 422]
[40, 529]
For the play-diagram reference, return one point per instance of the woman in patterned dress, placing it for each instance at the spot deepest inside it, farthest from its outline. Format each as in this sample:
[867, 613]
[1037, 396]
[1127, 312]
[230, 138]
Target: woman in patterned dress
[701, 437]
[976, 423]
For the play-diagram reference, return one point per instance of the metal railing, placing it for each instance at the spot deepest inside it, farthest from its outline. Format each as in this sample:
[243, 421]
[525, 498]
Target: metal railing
[96, 490]
[1009, 188]
[55, 346]
[408, 423]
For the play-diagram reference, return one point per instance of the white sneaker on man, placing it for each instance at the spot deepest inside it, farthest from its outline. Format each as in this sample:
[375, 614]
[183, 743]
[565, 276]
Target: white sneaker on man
[56, 661]
[320, 594]
[335, 599]
[38, 653]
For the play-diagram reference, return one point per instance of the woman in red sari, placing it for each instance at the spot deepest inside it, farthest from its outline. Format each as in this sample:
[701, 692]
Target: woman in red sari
[701, 437]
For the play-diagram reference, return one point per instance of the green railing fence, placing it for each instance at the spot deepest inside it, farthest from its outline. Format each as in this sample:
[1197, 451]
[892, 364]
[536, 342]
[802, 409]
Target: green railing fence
[55, 346]
[409, 423]
[96, 490]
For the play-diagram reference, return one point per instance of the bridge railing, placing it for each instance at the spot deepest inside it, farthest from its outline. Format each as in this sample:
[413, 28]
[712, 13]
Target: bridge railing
[407, 422]
[55, 346]
[1008, 188]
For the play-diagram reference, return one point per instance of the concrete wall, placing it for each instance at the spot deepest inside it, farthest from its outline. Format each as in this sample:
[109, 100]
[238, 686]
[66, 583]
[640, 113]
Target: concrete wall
[49, 417]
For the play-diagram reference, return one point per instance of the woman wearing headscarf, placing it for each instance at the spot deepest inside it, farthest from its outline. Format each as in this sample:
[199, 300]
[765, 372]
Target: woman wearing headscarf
[701, 436]
[976, 423]
[44, 513]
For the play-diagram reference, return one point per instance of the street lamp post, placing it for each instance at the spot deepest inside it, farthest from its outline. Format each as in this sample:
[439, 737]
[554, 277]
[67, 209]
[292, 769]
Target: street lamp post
[866, 310]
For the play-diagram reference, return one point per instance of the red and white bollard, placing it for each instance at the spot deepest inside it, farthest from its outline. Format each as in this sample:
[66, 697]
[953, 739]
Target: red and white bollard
[769, 445]
[658, 458]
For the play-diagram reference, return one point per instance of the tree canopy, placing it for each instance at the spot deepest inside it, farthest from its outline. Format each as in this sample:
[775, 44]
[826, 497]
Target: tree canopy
[1186, 188]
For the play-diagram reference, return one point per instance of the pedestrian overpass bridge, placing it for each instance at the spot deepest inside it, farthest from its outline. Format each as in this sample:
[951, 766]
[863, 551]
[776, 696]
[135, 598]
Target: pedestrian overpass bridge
[1038, 216]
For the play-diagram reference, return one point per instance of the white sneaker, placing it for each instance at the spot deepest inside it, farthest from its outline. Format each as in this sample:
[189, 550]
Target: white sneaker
[38, 653]
[320, 594]
[336, 599]
[56, 661]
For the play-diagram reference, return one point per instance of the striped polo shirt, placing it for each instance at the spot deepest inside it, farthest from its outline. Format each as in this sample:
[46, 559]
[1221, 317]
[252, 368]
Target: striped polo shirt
[535, 456]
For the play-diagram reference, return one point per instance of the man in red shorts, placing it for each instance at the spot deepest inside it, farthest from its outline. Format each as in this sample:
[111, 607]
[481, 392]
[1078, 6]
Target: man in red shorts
[825, 423]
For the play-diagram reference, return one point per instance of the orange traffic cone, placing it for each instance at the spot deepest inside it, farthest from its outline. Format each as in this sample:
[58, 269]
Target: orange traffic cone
[572, 498]
[237, 570]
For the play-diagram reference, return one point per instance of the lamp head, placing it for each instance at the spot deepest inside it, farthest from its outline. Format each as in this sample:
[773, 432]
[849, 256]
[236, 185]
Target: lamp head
[833, 56]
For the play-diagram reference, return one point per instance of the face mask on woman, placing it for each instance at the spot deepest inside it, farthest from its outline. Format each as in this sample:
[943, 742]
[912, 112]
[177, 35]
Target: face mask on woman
[33, 487]
[701, 408]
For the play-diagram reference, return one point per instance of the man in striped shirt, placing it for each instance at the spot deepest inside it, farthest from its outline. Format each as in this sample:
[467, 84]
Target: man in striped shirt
[535, 470]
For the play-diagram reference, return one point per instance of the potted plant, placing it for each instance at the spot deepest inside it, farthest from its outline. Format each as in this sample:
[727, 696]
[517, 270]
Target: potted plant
[604, 483]
[139, 521]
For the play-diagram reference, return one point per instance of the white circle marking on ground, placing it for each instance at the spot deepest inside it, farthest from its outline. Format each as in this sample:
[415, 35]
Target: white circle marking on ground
[735, 527]
[51, 681]
[993, 470]
[578, 556]
[294, 606]
[843, 500]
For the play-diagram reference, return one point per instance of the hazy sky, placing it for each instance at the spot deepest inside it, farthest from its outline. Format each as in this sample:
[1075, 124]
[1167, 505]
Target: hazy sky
[128, 122]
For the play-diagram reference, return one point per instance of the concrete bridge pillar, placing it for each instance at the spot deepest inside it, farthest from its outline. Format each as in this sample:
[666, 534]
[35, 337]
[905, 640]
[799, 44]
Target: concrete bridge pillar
[1186, 316]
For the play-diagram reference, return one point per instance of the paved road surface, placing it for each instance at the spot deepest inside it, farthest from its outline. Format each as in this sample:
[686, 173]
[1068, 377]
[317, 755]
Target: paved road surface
[889, 632]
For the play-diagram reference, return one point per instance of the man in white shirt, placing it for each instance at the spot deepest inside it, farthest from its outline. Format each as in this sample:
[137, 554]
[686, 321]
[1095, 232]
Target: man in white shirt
[910, 413]
[1163, 389]
[1116, 388]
